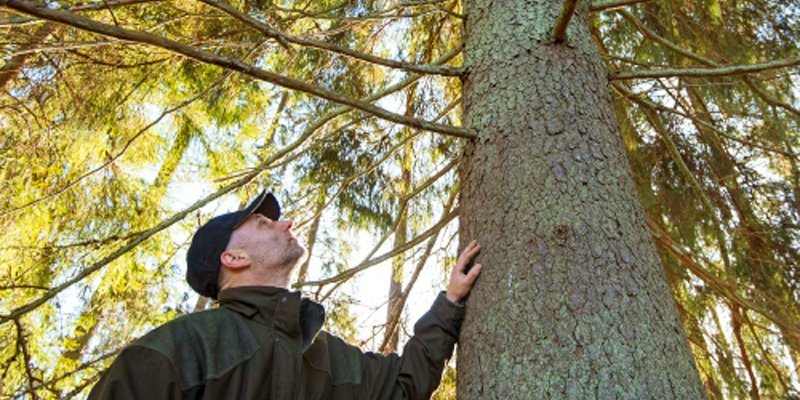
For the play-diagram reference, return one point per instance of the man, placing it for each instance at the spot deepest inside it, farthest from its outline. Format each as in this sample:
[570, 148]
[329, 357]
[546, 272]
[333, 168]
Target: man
[264, 341]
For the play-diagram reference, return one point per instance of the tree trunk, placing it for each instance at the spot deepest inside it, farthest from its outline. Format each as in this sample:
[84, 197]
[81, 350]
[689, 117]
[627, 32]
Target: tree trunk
[311, 239]
[391, 337]
[572, 302]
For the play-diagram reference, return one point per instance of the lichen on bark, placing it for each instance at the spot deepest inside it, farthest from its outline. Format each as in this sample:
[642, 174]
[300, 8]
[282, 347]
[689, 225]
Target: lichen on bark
[572, 302]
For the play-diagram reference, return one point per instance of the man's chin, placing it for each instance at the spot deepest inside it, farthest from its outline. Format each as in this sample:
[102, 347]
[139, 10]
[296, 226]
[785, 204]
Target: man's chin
[300, 252]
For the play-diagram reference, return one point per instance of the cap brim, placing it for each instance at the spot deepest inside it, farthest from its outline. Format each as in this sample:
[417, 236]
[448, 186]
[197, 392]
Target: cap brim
[265, 204]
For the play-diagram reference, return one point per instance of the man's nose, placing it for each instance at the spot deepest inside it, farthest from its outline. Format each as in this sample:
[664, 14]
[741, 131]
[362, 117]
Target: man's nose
[287, 224]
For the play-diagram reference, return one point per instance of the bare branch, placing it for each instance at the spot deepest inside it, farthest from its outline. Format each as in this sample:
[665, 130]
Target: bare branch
[602, 5]
[560, 28]
[68, 18]
[388, 255]
[268, 31]
[705, 72]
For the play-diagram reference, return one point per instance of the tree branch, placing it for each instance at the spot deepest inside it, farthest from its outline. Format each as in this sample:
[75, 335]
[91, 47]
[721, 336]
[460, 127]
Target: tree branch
[388, 255]
[707, 61]
[656, 122]
[559, 33]
[93, 6]
[270, 32]
[602, 5]
[22, 344]
[720, 286]
[35, 9]
[628, 94]
[736, 324]
[386, 13]
[764, 353]
[705, 72]
[350, 179]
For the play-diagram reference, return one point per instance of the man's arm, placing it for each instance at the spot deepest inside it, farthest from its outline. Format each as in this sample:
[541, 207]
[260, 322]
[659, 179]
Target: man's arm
[417, 373]
[138, 373]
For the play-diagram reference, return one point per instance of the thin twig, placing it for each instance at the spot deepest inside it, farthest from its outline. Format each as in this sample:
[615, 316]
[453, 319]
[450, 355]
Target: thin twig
[22, 343]
[388, 255]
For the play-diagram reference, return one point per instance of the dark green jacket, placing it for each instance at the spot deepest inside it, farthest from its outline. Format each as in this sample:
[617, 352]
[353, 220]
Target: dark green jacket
[266, 343]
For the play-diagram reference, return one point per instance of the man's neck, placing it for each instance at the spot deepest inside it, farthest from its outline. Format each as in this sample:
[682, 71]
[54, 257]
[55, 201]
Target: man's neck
[248, 279]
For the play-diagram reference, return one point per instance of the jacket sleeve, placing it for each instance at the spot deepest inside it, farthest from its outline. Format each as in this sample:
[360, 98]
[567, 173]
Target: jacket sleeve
[417, 373]
[138, 373]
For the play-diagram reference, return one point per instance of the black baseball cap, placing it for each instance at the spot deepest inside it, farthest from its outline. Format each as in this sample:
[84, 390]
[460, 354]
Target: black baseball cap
[208, 243]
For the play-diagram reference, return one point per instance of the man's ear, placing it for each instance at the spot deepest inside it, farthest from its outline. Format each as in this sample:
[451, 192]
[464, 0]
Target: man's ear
[234, 259]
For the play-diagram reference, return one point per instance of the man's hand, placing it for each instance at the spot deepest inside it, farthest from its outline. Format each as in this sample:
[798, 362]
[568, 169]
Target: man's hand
[461, 282]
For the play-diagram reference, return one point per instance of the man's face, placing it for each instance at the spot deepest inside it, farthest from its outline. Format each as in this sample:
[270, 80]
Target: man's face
[269, 244]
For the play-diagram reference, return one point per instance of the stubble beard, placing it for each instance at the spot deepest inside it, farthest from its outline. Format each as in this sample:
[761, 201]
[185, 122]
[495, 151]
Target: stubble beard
[293, 255]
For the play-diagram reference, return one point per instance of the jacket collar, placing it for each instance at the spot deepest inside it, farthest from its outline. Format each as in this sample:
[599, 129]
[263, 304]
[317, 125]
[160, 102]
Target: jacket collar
[279, 308]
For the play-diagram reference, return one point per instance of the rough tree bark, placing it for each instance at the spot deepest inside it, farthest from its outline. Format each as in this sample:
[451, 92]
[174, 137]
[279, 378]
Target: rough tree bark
[572, 302]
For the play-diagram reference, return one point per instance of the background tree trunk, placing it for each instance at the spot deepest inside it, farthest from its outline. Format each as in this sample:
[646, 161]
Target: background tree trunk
[391, 337]
[573, 301]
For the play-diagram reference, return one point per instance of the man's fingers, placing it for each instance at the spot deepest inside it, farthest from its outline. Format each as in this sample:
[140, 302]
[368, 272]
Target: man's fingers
[469, 252]
[474, 272]
[472, 249]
